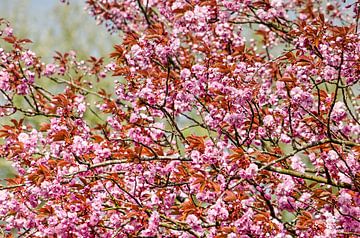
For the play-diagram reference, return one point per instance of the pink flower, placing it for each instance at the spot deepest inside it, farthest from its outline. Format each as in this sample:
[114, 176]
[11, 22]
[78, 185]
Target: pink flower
[185, 74]
[339, 112]
[23, 137]
[285, 139]
[28, 57]
[49, 69]
[194, 222]
[286, 187]
[297, 164]
[300, 97]
[269, 120]
[217, 212]
[8, 31]
[79, 145]
[102, 152]
[276, 3]
[189, 15]
[250, 172]
[22, 89]
[286, 203]
[4, 80]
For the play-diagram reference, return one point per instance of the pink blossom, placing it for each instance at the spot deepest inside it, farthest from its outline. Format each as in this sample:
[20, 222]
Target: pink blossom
[50, 69]
[8, 31]
[22, 89]
[79, 145]
[339, 112]
[209, 132]
[194, 222]
[297, 164]
[4, 80]
[269, 120]
[217, 212]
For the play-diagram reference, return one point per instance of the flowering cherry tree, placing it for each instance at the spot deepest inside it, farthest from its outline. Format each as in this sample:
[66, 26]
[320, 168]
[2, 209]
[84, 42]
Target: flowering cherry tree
[209, 133]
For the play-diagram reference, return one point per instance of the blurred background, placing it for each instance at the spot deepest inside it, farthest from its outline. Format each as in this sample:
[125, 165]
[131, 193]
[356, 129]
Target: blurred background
[54, 26]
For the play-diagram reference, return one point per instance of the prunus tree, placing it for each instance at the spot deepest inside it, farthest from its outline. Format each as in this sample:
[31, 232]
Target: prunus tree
[209, 133]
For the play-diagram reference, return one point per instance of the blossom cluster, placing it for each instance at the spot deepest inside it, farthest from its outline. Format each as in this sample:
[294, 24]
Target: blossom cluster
[208, 134]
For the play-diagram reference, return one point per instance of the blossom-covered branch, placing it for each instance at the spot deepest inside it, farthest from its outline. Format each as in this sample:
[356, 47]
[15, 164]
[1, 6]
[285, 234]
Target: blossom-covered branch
[228, 119]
